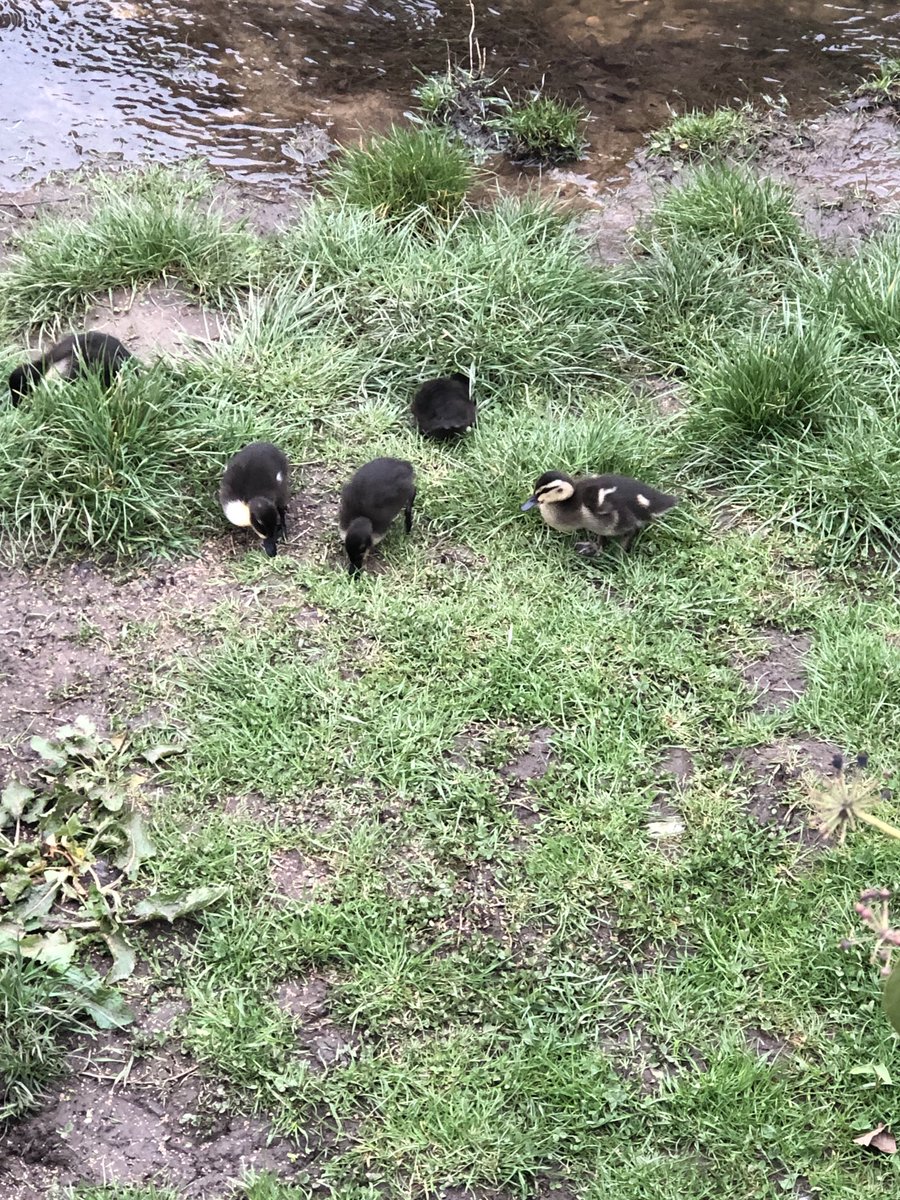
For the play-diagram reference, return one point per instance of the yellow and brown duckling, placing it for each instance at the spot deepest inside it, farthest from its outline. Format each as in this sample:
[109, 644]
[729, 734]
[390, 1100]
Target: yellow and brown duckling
[444, 408]
[255, 490]
[370, 500]
[611, 506]
[78, 354]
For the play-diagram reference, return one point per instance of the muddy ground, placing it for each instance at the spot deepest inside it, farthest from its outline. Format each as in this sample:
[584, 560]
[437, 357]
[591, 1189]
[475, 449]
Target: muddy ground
[136, 1108]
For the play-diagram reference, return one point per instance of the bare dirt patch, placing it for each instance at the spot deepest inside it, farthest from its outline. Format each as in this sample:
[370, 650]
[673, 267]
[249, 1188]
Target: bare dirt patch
[129, 1114]
[779, 677]
[667, 395]
[678, 764]
[844, 168]
[74, 638]
[772, 773]
[297, 876]
[322, 1042]
[665, 824]
[766, 1045]
[312, 516]
[530, 765]
[159, 320]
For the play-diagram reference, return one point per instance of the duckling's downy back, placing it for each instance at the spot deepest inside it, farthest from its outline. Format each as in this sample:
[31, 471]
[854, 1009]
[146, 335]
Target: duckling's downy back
[74, 355]
[370, 500]
[444, 408]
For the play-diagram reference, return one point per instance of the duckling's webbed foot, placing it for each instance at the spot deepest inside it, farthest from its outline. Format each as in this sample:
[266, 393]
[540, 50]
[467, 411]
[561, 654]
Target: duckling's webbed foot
[588, 549]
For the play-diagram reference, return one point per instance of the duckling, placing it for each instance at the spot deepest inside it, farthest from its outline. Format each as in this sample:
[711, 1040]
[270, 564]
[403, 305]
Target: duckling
[370, 501]
[254, 492]
[443, 408]
[612, 506]
[75, 355]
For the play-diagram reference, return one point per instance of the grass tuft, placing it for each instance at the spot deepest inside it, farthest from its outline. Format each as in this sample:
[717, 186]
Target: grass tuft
[506, 289]
[142, 225]
[118, 472]
[543, 130]
[841, 489]
[884, 80]
[698, 134]
[732, 209]
[867, 290]
[408, 173]
[37, 1012]
[782, 378]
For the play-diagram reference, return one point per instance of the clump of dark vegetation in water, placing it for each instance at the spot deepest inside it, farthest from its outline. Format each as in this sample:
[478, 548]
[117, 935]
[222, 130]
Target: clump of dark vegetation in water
[536, 129]
[408, 171]
[544, 130]
[698, 134]
[883, 85]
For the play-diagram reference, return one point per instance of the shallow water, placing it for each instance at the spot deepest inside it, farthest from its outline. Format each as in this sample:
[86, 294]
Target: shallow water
[263, 90]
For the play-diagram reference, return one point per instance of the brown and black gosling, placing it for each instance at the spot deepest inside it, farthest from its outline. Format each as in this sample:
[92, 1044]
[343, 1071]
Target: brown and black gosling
[444, 408]
[611, 506]
[255, 490]
[79, 354]
[370, 500]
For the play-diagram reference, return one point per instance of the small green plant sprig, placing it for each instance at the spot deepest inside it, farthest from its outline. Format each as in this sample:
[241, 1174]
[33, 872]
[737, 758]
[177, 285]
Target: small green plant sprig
[884, 82]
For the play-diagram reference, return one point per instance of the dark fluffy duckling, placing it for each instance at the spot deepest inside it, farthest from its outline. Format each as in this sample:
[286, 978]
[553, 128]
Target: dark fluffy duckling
[613, 506]
[255, 490]
[444, 408]
[78, 354]
[370, 501]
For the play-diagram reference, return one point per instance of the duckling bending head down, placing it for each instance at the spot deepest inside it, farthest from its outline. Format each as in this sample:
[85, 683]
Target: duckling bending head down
[612, 506]
[370, 501]
[72, 356]
[255, 490]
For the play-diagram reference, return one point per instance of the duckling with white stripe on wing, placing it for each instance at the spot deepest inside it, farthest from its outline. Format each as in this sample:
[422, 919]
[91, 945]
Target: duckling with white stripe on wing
[612, 506]
[72, 356]
[370, 500]
[255, 490]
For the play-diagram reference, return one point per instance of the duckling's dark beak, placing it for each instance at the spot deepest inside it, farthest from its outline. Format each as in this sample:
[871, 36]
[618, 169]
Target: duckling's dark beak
[270, 546]
[529, 503]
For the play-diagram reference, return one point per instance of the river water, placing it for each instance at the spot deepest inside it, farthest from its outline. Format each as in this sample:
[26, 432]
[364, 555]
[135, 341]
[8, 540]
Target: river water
[264, 90]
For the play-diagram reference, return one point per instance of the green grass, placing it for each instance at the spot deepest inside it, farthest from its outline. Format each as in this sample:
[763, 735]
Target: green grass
[408, 173]
[784, 377]
[37, 1015]
[728, 207]
[141, 226]
[543, 129]
[115, 473]
[883, 81]
[521, 982]
[865, 289]
[697, 134]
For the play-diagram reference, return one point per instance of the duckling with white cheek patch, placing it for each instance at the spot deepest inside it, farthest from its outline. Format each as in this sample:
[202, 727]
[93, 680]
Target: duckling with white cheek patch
[612, 506]
[370, 501]
[255, 490]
